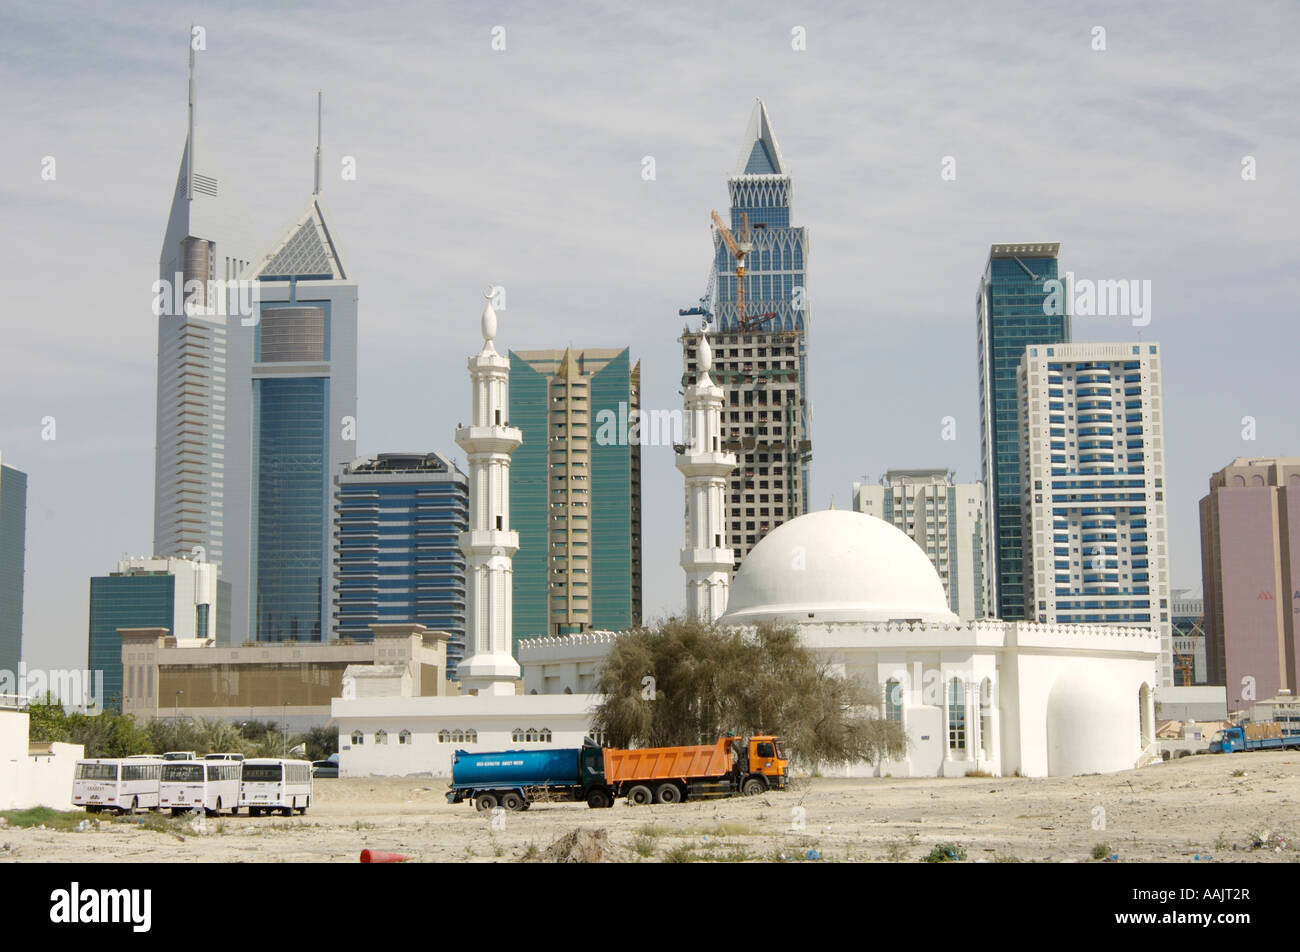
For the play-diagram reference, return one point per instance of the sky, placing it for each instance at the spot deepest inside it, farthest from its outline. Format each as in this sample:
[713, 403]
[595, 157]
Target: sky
[523, 167]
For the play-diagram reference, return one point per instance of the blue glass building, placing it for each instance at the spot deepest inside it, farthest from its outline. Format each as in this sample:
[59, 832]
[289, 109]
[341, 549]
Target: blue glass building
[762, 367]
[1011, 315]
[182, 596]
[398, 518]
[13, 535]
[303, 428]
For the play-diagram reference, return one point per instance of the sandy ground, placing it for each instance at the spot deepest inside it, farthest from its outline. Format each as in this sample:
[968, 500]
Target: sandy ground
[1190, 810]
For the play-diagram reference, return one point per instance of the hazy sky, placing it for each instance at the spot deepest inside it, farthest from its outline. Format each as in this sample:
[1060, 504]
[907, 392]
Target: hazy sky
[523, 167]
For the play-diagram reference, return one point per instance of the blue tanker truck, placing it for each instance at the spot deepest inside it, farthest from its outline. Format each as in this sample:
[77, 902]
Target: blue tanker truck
[513, 778]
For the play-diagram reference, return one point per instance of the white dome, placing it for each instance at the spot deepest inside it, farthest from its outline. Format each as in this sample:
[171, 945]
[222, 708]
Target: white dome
[837, 565]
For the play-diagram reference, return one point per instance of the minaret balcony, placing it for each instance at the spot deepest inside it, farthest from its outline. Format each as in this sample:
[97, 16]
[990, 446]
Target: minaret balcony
[489, 439]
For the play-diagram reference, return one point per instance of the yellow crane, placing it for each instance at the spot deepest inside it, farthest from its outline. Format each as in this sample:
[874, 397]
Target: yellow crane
[739, 246]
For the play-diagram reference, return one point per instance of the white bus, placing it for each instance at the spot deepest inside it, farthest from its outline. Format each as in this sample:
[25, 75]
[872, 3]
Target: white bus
[273, 784]
[122, 785]
[211, 786]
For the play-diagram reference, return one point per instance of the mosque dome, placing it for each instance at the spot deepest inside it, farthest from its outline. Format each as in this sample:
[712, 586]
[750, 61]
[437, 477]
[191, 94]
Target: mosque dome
[837, 565]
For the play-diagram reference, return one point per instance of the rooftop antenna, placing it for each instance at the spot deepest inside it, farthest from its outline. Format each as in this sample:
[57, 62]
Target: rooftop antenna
[316, 189]
[189, 162]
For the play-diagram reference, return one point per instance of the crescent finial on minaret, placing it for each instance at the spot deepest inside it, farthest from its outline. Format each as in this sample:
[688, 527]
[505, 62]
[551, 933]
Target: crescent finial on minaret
[489, 318]
[705, 354]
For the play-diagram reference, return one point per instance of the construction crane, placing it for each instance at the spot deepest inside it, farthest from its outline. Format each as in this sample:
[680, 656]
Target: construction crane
[739, 246]
[705, 307]
[757, 321]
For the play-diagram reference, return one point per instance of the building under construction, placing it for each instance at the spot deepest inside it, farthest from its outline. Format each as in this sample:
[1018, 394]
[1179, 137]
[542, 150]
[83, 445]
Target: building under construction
[756, 309]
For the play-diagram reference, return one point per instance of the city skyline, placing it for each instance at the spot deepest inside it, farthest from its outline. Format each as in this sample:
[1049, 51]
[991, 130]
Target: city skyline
[105, 417]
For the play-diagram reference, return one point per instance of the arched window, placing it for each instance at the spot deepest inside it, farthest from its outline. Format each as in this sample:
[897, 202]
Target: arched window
[444, 737]
[531, 736]
[1144, 721]
[458, 737]
[471, 737]
[956, 715]
[986, 718]
[517, 735]
[358, 738]
[894, 701]
[381, 736]
[544, 735]
[404, 737]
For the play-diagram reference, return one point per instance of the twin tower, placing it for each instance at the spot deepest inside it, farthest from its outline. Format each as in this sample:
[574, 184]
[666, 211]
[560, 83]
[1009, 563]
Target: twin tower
[489, 545]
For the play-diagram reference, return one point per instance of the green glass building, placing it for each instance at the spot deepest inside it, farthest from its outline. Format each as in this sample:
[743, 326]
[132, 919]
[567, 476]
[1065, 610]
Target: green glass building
[13, 536]
[575, 491]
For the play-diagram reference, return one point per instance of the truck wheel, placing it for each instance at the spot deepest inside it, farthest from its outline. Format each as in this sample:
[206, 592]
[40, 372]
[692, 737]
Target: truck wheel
[485, 802]
[598, 799]
[640, 795]
[753, 787]
[512, 801]
[668, 793]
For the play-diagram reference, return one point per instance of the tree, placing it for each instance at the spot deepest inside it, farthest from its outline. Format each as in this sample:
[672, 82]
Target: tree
[684, 682]
[47, 721]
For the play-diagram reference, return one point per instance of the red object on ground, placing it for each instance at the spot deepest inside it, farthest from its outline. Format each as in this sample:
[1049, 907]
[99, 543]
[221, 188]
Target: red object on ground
[377, 856]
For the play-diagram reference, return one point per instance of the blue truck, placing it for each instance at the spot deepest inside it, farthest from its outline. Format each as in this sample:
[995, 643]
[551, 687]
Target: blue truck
[514, 778]
[1269, 736]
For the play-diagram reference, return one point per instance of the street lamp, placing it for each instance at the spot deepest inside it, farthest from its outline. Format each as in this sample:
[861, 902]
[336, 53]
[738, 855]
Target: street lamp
[176, 705]
[284, 734]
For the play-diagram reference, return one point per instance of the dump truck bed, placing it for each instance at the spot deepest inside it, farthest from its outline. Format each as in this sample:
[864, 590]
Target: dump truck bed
[668, 763]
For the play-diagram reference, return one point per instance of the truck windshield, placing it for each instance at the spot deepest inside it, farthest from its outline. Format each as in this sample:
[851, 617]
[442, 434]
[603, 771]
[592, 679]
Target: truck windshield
[1217, 738]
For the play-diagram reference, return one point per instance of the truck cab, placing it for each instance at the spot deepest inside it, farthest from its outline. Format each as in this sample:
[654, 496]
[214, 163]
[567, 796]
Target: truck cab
[1228, 740]
[766, 762]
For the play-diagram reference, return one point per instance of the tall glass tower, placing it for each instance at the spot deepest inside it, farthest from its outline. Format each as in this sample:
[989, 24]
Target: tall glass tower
[13, 536]
[1011, 312]
[763, 365]
[201, 459]
[398, 520]
[304, 405]
[575, 491]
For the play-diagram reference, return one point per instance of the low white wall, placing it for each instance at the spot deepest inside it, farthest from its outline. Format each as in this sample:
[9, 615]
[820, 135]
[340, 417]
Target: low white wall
[26, 780]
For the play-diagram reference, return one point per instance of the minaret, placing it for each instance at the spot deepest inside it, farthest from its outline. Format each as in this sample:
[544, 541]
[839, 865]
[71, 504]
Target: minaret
[707, 564]
[488, 545]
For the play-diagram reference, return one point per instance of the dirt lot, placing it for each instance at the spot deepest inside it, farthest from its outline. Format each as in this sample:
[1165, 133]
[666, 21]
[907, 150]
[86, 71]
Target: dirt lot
[1240, 808]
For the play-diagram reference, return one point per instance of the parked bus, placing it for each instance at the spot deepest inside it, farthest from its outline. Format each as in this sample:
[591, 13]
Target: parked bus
[122, 785]
[273, 784]
[180, 755]
[211, 786]
[223, 757]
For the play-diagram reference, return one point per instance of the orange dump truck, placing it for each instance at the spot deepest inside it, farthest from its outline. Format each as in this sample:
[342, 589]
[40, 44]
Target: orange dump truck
[734, 765]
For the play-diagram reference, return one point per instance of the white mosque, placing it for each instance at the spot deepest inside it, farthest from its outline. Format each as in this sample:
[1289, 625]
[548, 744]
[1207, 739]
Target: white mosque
[984, 696]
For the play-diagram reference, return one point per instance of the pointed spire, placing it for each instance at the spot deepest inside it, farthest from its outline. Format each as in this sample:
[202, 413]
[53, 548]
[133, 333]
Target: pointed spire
[319, 96]
[189, 142]
[760, 154]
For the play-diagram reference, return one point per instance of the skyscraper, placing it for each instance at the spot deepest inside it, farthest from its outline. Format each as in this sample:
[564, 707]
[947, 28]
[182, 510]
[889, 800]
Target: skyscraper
[303, 429]
[201, 454]
[760, 354]
[397, 524]
[943, 517]
[1250, 571]
[1012, 312]
[182, 596]
[1093, 466]
[13, 543]
[575, 487]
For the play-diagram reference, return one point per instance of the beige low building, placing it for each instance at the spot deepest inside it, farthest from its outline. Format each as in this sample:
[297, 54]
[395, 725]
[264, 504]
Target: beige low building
[291, 682]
